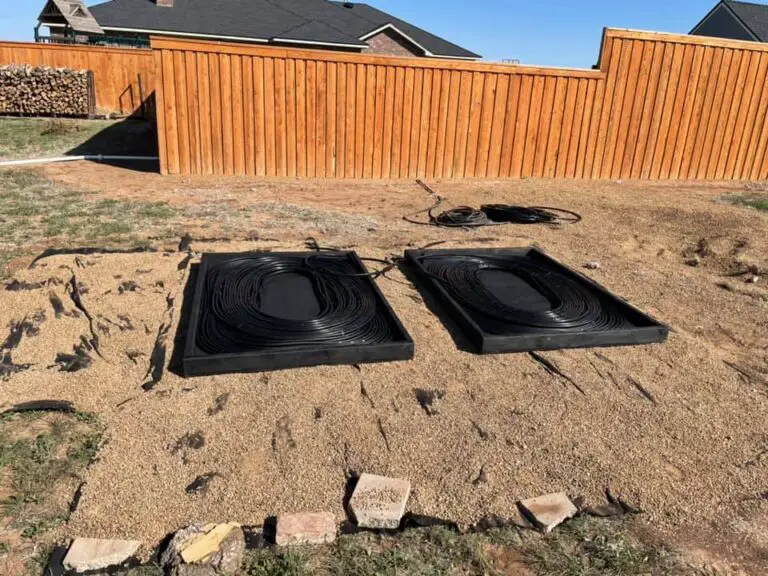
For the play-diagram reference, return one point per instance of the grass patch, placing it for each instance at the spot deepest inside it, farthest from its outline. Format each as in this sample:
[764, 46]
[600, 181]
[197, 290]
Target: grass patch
[25, 138]
[289, 562]
[39, 452]
[34, 210]
[43, 457]
[583, 547]
[755, 201]
[593, 547]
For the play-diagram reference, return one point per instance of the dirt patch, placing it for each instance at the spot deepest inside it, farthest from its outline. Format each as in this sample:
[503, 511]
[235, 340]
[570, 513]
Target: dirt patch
[690, 457]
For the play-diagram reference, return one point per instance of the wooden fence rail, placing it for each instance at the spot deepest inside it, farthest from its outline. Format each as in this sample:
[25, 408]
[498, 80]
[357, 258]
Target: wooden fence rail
[116, 71]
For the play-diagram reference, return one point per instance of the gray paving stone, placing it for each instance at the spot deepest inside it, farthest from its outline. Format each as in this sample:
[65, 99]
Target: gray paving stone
[305, 528]
[549, 511]
[92, 554]
[379, 502]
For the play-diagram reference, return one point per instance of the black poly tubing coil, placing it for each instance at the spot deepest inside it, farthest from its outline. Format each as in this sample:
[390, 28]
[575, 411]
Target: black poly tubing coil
[232, 319]
[573, 307]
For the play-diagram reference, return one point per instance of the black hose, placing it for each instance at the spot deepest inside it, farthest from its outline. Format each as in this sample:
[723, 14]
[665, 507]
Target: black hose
[461, 217]
[528, 215]
[492, 215]
[516, 214]
[572, 306]
[232, 319]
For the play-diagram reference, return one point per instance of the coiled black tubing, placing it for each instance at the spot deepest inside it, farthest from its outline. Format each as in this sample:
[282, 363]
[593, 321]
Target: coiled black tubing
[492, 215]
[461, 217]
[573, 306]
[232, 319]
[528, 215]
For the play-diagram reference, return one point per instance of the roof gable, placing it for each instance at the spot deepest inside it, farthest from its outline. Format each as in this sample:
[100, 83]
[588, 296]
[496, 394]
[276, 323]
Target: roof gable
[374, 19]
[74, 12]
[312, 22]
[753, 16]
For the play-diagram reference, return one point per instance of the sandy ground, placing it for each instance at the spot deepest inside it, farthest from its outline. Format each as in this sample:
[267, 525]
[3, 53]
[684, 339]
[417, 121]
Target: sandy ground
[694, 461]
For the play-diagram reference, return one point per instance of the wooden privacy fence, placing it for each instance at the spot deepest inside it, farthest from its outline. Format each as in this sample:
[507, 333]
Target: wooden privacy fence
[660, 106]
[116, 71]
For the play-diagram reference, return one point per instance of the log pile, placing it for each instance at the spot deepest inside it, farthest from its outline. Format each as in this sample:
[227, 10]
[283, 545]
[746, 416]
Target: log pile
[45, 91]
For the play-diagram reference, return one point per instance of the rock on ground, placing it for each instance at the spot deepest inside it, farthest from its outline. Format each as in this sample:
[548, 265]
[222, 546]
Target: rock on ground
[549, 511]
[305, 528]
[86, 554]
[219, 546]
[379, 502]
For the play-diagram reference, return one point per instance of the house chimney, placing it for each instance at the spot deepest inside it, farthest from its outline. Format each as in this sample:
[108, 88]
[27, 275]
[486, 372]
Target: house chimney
[166, 3]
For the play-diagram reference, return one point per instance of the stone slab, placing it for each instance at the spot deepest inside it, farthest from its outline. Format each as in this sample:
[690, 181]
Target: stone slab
[549, 511]
[207, 544]
[305, 528]
[87, 554]
[379, 502]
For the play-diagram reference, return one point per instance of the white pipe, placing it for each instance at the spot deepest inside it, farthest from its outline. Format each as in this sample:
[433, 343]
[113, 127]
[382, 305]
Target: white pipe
[97, 158]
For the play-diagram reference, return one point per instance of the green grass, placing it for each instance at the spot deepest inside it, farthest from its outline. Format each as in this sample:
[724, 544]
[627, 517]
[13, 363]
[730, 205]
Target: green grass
[583, 547]
[32, 466]
[25, 138]
[43, 458]
[289, 562]
[755, 201]
[36, 212]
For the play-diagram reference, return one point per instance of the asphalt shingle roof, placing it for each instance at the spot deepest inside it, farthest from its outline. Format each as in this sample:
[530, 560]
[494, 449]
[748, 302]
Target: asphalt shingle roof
[755, 16]
[370, 15]
[307, 21]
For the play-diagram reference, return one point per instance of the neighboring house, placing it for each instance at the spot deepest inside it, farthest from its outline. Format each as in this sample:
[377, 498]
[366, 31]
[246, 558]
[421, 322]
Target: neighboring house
[68, 20]
[735, 20]
[317, 24]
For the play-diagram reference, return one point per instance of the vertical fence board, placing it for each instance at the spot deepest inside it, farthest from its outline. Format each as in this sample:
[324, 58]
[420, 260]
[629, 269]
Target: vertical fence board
[321, 127]
[426, 103]
[290, 117]
[238, 115]
[301, 118]
[448, 106]
[498, 125]
[418, 89]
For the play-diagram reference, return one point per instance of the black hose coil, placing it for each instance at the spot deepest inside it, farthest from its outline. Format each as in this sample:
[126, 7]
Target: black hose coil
[510, 213]
[572, 306]
[461, 217]
[232, 320]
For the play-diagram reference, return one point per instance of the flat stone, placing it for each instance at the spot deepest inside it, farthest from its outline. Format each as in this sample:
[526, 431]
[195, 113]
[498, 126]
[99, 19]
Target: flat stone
[203, 546]
[171, 556]
[549, 511]
[379, 502]
[305, 528]
[92, 554]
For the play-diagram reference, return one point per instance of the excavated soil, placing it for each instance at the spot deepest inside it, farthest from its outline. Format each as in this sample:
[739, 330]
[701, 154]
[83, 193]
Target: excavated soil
[677, 429]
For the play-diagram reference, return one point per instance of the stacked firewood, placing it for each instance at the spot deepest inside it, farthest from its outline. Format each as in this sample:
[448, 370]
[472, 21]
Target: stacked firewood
[45, 91]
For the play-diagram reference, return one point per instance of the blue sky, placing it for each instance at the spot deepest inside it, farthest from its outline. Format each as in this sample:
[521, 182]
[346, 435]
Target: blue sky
[547, 32]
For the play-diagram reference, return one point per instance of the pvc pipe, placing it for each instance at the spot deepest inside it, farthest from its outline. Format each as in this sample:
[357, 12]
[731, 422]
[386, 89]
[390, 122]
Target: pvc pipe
[97, 158]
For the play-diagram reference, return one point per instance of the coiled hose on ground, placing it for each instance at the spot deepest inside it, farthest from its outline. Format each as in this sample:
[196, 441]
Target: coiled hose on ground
[232, 319]
[572, 306]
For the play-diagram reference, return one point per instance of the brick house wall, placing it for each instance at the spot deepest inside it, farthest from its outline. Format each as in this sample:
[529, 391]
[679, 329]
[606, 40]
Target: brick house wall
[392, 44]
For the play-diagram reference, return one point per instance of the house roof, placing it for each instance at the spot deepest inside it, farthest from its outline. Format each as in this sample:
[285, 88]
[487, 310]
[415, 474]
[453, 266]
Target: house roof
[753, 16]
[75, 13]
[370, 19]
[313, 22]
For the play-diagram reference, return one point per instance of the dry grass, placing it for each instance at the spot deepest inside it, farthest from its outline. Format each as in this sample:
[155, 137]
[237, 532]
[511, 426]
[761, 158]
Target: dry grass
[35, 212]
[25, 138]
